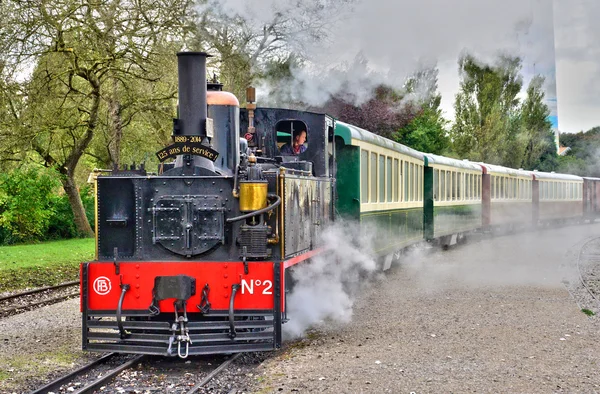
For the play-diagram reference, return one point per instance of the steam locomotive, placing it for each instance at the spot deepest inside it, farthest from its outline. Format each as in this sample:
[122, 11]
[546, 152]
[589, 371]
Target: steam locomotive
[198, 259]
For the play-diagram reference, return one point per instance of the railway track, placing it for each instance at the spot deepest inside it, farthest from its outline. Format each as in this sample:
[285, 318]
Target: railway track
[92, 376]
[101, 372]
[588, 266]
[13, 304]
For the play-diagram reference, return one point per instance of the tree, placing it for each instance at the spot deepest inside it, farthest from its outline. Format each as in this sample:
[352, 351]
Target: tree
[384, 113]
[426, 132]
[84, 54]
[584, 156]
[246, 42]
[538, 129]
[487, 125]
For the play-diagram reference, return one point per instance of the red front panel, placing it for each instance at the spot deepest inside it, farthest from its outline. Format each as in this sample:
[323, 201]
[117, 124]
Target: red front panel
[257, 287]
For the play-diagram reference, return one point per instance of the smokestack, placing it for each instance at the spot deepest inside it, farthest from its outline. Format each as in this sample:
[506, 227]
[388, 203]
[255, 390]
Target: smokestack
[192, 94]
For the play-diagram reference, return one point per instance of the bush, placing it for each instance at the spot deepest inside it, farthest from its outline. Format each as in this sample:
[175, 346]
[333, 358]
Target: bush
[62, 224]
[25, 209]
[33, 209]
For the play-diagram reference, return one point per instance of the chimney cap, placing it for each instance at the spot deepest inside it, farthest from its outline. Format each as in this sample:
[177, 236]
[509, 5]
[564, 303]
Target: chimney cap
[193, 54]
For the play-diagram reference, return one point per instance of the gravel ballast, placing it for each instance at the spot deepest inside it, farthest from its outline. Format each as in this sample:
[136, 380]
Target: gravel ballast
[491, 316]
[494, 315]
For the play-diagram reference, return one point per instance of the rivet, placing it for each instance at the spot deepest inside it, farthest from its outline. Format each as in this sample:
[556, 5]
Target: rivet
[137, 286]
[137, 266]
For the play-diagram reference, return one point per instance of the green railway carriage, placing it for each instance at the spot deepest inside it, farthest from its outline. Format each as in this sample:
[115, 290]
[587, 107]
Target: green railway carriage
[452, 203]
[380, 184]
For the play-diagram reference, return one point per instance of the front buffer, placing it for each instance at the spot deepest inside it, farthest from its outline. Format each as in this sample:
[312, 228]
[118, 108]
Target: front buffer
[182, 308]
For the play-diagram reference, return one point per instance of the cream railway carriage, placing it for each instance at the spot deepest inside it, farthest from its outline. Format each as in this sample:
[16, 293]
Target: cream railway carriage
[508, 197]
[452, 203]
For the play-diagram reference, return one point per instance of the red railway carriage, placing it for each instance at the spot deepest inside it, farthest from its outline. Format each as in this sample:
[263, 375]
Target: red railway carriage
[557, 197]
[196, 259]
[591, 198]
[507, 197]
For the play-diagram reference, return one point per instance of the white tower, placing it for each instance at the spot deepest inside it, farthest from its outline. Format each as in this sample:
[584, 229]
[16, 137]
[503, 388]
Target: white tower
[539, 55]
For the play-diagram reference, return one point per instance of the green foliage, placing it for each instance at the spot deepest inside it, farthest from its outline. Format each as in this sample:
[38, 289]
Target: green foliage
[584, 156]
[33, 209]
[61, 224]
[540, 150]
[487, 126]
[25, 210]
[493, 126]
[588, 312]
[426, 133]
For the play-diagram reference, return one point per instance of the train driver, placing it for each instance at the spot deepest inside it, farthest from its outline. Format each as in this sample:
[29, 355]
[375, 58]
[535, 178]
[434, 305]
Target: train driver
[297, 146]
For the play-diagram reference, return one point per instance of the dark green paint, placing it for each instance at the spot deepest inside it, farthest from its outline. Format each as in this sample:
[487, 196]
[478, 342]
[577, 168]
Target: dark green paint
[428, 202]
[393, 229]
[455, 219]
[348, 180]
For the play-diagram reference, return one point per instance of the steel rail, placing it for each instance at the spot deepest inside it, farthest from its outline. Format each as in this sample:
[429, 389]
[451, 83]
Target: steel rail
[6, 312]
[55, 385]
[214, 373]
[94, 385]
[107, 377]
[583, 282]
[39, 290]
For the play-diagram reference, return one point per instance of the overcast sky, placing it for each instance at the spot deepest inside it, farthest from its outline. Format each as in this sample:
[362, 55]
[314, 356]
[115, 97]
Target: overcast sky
[577, 48]
[394, 37]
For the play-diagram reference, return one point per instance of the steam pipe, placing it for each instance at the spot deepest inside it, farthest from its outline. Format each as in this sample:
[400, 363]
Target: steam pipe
[258, 212]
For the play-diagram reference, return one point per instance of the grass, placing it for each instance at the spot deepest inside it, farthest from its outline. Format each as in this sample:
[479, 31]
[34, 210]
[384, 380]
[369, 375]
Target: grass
[588, 312]
[43, 264]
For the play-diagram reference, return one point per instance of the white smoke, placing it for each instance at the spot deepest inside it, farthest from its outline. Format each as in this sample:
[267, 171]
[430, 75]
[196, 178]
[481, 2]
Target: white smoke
[324, 289]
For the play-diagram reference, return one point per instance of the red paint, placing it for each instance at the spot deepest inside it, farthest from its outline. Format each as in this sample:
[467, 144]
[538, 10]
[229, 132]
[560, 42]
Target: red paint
[301, 257]
[220, 276]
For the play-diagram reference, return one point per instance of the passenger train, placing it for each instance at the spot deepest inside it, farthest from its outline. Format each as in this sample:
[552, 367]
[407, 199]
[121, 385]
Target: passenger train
[197, 258]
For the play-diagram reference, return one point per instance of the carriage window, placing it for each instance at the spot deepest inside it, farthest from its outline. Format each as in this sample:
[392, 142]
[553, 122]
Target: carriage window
[442, 185]
[364, 176]
[420, 183]
[406, 181]
[381, 178]
[373, 178]
[396, 179]
[436, 184]
[389, 179]
[459, 186]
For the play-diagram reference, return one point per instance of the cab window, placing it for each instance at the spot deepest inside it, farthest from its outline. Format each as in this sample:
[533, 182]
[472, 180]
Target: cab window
[291, 137]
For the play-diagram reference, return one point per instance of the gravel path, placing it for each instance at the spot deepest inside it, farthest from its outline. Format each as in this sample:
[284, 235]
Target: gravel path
[491, 316]
[496, 315]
